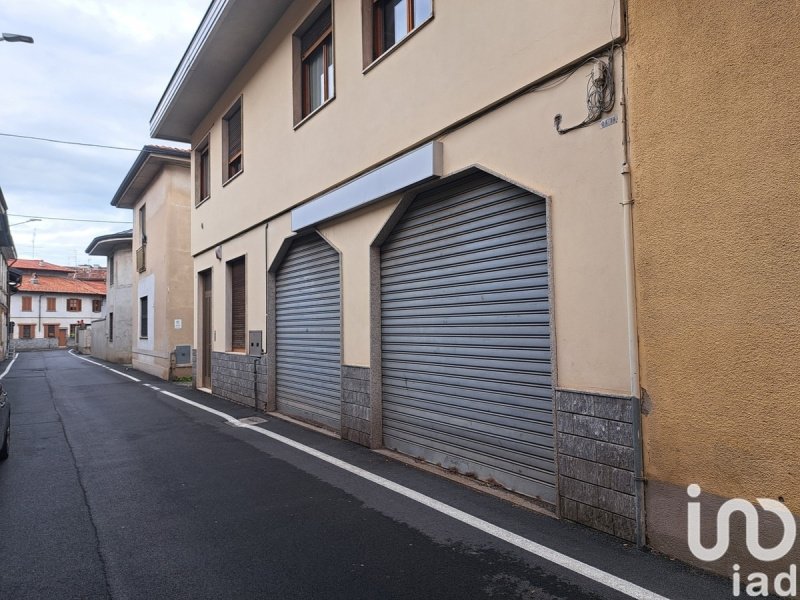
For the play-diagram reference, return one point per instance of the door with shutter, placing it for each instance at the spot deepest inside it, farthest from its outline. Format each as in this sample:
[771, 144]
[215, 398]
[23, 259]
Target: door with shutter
[465, 334]
[238, 305]
[308, 333]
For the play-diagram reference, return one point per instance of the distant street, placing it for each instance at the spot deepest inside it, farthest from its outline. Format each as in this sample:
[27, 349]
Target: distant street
[115, 489]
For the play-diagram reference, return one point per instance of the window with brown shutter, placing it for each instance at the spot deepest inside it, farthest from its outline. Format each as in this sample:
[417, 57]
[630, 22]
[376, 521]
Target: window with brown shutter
[50, 331]
[73, 304]
[26, 332]
[232, 130]
[238, 304]
[51, 305]
[27, 303]
[97, 305]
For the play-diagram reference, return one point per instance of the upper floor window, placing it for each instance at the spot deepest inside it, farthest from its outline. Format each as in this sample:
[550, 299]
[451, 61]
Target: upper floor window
[27, 303]
[316, 54]
[97, 305]
[202, 173]
[143, 302]
[51, 305]
[232, 137]
[111, 270]
[143, 224]
[74, 304]
[393, 20]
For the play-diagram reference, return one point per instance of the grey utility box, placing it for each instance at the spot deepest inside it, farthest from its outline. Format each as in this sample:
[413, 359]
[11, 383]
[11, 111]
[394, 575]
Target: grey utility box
[183, 355]
[255, 344]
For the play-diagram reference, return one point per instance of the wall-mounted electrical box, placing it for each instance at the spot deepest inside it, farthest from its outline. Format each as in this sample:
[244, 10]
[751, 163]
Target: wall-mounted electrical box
[183, 355]
[255, 344]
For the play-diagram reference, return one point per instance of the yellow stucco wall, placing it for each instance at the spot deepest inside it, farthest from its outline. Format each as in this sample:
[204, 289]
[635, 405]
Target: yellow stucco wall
[715, 131]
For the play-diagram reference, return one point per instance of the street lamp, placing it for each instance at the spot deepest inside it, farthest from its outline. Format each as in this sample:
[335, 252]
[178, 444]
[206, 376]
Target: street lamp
[15, 37]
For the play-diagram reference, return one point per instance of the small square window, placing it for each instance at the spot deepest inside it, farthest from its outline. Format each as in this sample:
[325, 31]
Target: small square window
[232, 134]
[392, 20]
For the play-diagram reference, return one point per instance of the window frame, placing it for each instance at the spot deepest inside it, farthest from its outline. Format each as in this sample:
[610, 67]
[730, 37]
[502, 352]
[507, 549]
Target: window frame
[202, 174]
[71, 303]
[97, 302]
[232, 158]
[26, 328]
[237, 339]
[51, 327]
[26, 301]
[144, 302]
[111, 327]
[51, 301]
[372, 30]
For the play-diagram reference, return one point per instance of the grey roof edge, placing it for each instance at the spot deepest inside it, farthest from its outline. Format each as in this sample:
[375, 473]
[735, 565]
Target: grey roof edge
[149, 152]
[110, 239]
[178, 79]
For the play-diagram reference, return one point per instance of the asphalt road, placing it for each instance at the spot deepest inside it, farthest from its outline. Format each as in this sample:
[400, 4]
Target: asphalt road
[117, 490]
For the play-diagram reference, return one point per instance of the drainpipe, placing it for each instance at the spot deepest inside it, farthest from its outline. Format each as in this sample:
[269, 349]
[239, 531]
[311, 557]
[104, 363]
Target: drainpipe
[633, 339]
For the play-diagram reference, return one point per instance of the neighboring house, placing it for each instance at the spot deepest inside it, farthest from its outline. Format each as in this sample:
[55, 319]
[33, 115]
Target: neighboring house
[714, 152]
[157, 190]
[111, 334]
[50, 305]
[387, 207]
[8, 281]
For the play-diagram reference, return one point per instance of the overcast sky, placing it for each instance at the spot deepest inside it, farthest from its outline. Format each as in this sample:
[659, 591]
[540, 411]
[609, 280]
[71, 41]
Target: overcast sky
[94, 74]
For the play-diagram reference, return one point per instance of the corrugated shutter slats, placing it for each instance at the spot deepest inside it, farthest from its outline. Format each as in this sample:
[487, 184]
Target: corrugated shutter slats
[465, 330]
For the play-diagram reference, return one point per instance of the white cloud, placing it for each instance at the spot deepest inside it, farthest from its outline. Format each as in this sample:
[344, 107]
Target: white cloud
[94, 74]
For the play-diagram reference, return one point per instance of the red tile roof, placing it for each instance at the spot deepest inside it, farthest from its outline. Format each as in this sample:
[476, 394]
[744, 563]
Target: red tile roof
[61, 285]
[38, 265]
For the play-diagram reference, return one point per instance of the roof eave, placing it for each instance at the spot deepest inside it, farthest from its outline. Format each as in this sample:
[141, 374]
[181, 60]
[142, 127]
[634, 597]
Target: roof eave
[227, 37]
[144, 169]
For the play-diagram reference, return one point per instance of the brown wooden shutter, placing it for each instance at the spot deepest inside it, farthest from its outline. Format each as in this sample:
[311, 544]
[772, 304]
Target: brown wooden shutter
[27, 303]
[51, 304]
[238, 305]
[235, 134]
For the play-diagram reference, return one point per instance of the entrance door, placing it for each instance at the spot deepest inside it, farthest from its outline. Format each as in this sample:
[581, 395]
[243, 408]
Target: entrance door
[205, 329]
[62, 337]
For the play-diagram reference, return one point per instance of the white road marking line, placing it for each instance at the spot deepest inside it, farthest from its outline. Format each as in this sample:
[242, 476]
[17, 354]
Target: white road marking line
[581, 568]
[8, 368]
[105, 367]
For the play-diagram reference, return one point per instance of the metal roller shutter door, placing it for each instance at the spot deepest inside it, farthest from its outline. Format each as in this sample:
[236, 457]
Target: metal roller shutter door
[465, 334]
[308, 333]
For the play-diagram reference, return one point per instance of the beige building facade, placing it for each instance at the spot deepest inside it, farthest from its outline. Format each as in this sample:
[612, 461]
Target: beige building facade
[714, 147]
[157, 191]
[426, 263]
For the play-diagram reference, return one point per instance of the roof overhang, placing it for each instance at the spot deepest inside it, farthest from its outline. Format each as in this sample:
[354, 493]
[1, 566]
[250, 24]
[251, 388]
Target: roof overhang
[7, 249]
[229, 34]
[147, 165]
[106, 245]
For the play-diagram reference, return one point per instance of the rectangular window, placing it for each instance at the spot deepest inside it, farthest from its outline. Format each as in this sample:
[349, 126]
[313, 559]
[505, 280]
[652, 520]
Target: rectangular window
[143, 317]
[27, 303]
[50, 331]
[316, 57]
[238, 315]
[393, 20]
[111, 271]
[73, 304]
[51, 305]
[26, 332]
[232, 132]
[203, 174]
[143, 224]
[72, 329]
[111, 327]
[97, 305]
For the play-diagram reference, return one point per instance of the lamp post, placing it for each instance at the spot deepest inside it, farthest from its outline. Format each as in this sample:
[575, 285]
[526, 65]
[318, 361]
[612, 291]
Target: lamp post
[15, 37]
